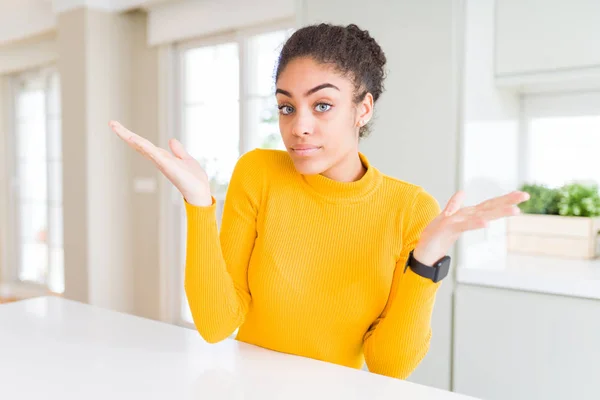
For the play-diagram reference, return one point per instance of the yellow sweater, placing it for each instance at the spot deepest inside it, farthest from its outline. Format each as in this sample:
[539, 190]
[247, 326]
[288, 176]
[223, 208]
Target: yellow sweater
[313, 267]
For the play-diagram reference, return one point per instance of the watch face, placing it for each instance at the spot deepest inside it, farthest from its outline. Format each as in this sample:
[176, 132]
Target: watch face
[442, 269]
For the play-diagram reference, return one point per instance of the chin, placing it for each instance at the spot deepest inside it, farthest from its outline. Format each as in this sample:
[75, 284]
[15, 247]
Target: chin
[308, 165]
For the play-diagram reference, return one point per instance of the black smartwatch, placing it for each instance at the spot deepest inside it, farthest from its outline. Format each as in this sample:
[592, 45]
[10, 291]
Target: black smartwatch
[435, 272]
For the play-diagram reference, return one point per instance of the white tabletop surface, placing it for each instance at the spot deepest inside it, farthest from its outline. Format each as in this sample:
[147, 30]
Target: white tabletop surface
[550, 275]
[51, 348]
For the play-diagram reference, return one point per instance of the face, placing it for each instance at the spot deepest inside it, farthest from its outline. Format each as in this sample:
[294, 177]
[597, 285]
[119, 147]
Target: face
[318, 119]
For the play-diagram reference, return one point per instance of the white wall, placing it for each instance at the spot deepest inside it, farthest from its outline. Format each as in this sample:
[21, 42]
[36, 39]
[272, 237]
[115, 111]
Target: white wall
[490, 133]
[23, 19]
[103, 5]
[34, 52]
[20, 19]
[202, 18]
[146, 231]
[95, 82]
[416, 129]
[4, 183]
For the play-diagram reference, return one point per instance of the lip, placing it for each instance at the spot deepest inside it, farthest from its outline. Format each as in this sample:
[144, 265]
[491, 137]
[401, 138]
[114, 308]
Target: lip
[305, 150]
[305, 147]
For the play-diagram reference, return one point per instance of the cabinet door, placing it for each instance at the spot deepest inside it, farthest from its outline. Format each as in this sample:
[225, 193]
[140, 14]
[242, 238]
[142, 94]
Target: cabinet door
[518, 345]
[537, 36]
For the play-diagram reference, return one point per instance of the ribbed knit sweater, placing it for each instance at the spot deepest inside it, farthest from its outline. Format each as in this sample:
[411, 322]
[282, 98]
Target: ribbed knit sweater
[313, 267]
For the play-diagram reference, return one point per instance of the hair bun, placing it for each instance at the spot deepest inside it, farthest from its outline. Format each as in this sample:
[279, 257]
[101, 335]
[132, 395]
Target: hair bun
[374, 48]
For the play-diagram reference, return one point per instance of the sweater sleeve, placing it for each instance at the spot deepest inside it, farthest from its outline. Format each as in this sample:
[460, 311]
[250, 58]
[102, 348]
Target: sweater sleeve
[399, 339]
[216, 279]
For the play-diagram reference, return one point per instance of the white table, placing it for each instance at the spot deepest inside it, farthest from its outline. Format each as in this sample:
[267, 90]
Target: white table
[51, 348]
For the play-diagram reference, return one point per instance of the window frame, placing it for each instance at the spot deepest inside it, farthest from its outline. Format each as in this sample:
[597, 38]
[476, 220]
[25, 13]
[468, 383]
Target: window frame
[173, 207]
[9, 273]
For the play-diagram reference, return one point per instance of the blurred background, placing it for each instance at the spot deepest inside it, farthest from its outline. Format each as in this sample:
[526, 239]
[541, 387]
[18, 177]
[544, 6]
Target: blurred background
[482, 95]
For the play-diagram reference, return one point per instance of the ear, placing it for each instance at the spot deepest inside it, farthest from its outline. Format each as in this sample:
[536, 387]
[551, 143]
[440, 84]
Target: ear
[364, 111]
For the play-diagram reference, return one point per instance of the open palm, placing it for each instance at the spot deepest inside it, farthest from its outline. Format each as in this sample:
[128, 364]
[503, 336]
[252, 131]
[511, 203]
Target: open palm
[181, 169]
[441, 233]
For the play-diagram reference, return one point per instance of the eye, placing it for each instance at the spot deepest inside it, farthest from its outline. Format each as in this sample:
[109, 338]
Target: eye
[285, 109]
[323, 107]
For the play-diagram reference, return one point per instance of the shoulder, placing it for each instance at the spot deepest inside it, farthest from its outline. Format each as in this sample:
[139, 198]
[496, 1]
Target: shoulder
[264, 162]
[409, 192]
[256, 168]
[413, 198]
[264, 157]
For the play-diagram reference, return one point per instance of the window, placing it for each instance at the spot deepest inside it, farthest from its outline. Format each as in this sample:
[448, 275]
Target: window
[36, 172]
[226, 94]
[562, 138]
[556, 143]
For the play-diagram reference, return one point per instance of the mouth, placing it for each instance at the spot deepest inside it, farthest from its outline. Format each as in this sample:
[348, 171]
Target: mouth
[306, 151]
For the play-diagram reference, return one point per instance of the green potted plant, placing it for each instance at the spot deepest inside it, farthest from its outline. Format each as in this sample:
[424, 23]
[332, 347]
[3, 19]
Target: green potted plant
[561, 221]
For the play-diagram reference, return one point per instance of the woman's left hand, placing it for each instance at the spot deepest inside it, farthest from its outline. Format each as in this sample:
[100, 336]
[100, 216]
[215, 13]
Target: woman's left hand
[439, 236]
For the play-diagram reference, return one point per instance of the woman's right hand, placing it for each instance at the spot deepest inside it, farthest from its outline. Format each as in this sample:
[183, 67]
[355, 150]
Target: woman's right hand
[180, 168]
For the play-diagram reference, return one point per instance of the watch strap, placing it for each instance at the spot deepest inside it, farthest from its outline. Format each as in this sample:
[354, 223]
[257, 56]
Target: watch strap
[435, 272]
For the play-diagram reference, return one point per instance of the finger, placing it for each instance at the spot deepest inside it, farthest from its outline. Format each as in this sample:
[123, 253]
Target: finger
[454, 203]
[500, 212]
[470, 219]
[142, 145]
[471, 224]
[121, 131]
[178, 149]
[133, 139]
[511, 198]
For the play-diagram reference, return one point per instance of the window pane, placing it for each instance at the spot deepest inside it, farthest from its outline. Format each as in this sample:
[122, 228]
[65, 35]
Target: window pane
[564, 149]
[263, 130]
[37, 140]
[30, 104]
[212, 137]
[54, 96]
[55, 185]
[33, 181]
[56, 276]
[31, 139]
[211, 74]
[263, 52]
[55, 236]
[54, 139]
[34, 262]
[33, 222]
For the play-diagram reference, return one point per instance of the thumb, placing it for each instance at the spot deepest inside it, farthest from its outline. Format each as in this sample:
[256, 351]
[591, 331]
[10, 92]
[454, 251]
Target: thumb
[178, 150]
[454, 203]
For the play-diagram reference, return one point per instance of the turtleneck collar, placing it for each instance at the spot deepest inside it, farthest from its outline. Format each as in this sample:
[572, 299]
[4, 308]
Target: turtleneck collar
[345, 191]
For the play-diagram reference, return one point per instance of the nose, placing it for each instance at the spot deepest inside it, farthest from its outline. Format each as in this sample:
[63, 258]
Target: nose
[303, 124]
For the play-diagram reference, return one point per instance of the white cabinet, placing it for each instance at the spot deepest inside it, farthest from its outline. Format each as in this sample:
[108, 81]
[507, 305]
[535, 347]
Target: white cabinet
[543, 35]
[547, 40]
[520, 345]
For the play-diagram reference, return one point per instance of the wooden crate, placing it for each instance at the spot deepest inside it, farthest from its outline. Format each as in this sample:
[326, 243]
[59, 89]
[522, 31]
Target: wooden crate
[554, 235]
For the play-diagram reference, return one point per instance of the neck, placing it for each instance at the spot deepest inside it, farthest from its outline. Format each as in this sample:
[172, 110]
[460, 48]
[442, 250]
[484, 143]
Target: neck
[349, 169]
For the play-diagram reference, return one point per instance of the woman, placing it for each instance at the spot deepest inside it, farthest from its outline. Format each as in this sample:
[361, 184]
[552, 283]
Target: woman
[314, 242]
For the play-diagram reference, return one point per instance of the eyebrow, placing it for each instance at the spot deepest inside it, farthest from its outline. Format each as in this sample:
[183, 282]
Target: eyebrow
[311, 91]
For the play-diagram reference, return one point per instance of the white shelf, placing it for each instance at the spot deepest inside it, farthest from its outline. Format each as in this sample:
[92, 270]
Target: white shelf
[551, 275]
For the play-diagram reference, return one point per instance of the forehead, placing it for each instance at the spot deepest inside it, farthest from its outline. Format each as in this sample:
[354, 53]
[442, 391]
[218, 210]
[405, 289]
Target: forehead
[303, 74]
